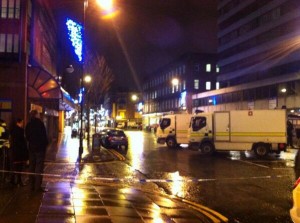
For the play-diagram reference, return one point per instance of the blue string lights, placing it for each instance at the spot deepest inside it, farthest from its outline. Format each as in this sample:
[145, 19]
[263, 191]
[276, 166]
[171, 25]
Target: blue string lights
[75, 32]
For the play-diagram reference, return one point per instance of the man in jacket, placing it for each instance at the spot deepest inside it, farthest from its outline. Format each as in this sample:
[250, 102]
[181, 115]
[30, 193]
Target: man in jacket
[36, 136]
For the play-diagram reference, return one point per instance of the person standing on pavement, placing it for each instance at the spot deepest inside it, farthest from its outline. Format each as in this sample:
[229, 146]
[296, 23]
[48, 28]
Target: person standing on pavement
[4, 133]
[19, 151]
[36, 136]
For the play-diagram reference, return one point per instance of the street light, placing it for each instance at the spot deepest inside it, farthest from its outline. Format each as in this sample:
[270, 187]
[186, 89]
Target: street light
[134, 97]
[86, 79]
[108, 6]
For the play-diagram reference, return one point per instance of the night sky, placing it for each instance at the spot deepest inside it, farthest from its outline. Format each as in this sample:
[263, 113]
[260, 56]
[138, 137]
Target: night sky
[147, 34]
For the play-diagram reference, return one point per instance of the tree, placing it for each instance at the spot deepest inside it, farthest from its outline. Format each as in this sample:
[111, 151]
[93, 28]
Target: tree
[102, 77]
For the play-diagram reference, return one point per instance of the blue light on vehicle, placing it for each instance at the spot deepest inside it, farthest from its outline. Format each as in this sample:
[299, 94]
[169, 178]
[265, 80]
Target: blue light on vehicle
[214, 101]
[75, 32]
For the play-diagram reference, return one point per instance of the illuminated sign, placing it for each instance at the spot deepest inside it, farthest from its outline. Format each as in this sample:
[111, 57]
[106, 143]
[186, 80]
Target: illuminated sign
[75, 32]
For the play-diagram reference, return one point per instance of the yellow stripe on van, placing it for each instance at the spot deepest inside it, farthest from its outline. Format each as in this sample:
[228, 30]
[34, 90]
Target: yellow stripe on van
[259, 134]
[181, 131]
[222, 133]
[198, 134]
[251, 134]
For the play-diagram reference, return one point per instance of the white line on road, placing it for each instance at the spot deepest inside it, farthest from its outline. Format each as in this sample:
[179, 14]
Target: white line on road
[255, 164]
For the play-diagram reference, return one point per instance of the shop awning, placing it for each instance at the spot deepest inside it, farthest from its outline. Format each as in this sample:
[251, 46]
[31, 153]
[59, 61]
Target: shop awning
[41, 84]
[44, 87]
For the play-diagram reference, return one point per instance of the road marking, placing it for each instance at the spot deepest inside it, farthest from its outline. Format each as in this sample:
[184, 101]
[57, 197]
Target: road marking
[144, 180]
[255, 164]
[117, 154]
[215, 216]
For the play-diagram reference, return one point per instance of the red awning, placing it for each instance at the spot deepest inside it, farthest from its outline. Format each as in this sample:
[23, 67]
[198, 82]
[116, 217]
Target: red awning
[42, 84]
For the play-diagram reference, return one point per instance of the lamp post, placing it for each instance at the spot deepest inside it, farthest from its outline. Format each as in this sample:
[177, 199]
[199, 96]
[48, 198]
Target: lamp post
[107, 5]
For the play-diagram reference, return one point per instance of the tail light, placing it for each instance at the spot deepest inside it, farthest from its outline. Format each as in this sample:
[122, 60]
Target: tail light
[281, 146]
[296, 183]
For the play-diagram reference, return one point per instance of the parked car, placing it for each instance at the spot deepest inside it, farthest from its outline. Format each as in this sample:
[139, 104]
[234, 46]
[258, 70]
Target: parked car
[295, 211]
[114, 138]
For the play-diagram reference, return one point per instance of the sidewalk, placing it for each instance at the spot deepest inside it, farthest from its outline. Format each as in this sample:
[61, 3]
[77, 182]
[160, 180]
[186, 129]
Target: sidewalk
[70, 199]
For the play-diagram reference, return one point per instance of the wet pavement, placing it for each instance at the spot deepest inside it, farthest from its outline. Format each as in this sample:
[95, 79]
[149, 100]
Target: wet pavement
[71, 198]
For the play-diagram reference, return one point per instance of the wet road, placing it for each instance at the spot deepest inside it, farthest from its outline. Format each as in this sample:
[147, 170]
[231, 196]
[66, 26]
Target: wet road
[238, 185]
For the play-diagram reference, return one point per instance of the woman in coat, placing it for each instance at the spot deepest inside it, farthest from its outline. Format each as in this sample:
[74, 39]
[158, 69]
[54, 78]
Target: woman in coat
[19, 151]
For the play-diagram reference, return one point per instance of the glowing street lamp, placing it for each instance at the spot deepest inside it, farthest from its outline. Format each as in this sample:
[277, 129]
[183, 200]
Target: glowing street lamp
[106, 5]
[76, 35]
[134, 97]
[87, 79]
[175, 81]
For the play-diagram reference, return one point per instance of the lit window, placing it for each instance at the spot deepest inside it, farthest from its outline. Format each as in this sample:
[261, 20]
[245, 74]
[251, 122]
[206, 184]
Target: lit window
[208, 85]
[11, 9]
[2, 43]
[217, 85]
[208, 67]
[4, 9]
[9, 43]
[184, 85]
[217, 69]
[17, 13]
[196, 84]
[16, 43]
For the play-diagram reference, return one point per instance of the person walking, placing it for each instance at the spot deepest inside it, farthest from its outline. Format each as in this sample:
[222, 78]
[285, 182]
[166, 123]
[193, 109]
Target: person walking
[19, 151]
[36, 136]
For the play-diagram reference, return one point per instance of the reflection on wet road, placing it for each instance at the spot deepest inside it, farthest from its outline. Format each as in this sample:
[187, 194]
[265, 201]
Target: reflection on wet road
[233, 183]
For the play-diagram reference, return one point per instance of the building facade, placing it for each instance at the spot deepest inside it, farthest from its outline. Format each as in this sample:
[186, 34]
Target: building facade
[258, 56]
[123, 109]
[28, 63]
[170, 88]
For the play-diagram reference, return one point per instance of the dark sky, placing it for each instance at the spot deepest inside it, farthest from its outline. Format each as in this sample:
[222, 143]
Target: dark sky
[147, 34]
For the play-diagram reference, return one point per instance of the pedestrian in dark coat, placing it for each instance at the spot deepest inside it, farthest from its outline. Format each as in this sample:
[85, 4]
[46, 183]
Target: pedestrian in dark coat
[36, 136]
[19, 151]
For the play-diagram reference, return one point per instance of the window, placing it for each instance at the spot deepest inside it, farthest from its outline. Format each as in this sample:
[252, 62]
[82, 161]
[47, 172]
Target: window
[10, 9]
[198, 123]
[196, 84]
[208, 85]
[9, 43]
[217, 85]
[217, 69]
[2, 43]
[208, 67]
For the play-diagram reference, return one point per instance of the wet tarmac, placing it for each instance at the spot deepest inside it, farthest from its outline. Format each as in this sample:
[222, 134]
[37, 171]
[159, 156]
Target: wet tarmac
[73, 200]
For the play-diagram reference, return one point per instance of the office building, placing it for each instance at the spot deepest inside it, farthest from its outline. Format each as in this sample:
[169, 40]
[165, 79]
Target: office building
[171, 87]
[258, 55]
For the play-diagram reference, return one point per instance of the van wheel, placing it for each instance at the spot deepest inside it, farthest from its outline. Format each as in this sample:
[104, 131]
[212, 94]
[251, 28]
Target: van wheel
[207, 148]
[261, 149]
[171, 142]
